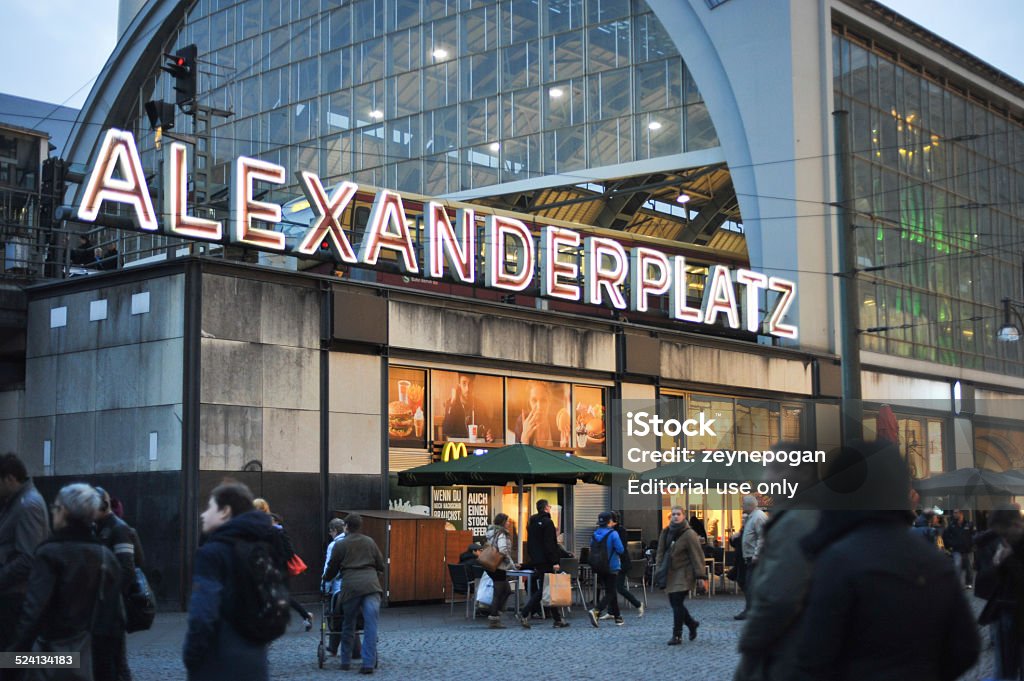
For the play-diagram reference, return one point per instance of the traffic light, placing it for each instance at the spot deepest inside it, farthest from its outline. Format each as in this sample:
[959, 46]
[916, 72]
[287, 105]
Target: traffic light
[182, 66]
[52, 190]
[160, 113]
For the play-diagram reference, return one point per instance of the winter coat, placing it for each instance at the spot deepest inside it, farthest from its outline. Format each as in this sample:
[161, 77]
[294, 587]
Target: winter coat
[360, 564]
[874, 585]
[542, 543]
[611, 539]
[24, 524]
[768, 643]
[74, 587]
[959, 537]
[499, 538]
[686, 556]
[213, 649]
[753, 534]
[119, 537]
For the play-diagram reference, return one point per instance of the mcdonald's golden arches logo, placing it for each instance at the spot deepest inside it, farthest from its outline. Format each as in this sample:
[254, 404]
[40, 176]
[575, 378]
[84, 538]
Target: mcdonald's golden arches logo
[453, 451]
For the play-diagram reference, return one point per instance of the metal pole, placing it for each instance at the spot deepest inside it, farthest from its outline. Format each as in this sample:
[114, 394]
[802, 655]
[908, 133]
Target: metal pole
[849, 304]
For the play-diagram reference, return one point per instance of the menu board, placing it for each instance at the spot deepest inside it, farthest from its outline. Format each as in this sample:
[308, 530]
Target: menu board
[406, 422]
[449, 503]
[478, 510]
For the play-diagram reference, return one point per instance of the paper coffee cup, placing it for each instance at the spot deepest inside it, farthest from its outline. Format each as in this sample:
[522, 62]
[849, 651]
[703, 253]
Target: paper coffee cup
[472, 430]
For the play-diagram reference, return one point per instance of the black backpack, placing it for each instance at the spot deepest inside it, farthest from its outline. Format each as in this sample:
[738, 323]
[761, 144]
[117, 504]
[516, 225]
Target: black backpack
[600, 555]
[260, 611]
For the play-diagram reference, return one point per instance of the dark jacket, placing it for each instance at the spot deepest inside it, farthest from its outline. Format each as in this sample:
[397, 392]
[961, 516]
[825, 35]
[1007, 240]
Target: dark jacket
[625, 559]
[542, 543]
[213, 649]
[468, 558]
[768, 643]
[119, 537]
[959, 537]
[874, 585]
[360, 563]
[74, 587]
[24, 524]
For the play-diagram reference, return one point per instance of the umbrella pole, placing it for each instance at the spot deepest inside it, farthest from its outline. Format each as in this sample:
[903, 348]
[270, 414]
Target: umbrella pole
[519, 520]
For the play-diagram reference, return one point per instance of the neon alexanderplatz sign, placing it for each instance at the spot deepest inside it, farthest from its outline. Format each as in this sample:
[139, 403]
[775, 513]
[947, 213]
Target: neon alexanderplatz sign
[447, 249]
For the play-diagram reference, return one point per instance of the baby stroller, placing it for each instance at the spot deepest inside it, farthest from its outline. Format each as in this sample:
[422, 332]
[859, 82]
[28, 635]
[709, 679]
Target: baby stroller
[327, 603]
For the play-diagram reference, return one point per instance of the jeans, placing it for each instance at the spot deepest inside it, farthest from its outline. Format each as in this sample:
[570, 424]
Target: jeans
[680, 615]
[620, 585]
[536, 593]
[334, 624]
[501, 592]
[369, 605]
[748, 585]
[610, 599]
[962, 566]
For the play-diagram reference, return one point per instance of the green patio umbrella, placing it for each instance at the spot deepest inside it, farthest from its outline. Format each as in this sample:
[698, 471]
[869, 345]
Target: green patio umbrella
[520, 464]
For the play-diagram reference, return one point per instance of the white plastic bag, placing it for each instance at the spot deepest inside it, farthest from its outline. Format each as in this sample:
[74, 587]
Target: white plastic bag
[485, 590]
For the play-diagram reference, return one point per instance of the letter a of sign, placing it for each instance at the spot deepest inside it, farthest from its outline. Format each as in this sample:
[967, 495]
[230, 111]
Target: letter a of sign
[327, 227]
[118, 153]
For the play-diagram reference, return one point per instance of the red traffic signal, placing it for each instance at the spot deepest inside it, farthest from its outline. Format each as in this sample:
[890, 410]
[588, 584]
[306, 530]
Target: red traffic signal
[182, 66]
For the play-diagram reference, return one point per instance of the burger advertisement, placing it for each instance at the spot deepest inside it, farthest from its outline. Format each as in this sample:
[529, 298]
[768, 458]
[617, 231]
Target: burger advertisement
[406, 421]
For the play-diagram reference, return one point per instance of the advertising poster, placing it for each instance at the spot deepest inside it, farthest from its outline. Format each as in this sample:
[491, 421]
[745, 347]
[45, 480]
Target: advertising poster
[466, 407]
[540, 413]
[589, 420]
[449, 503]
[478, 510]
[406, 418]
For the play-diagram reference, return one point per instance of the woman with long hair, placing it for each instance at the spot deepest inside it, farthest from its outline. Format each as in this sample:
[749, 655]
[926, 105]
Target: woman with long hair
[261, 504]
[499, 536]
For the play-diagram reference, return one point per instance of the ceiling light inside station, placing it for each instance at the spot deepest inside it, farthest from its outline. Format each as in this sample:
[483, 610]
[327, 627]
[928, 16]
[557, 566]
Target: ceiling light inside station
[440, 53]
[377, 114]
[683, 198]
[556, 92]
[654, 125]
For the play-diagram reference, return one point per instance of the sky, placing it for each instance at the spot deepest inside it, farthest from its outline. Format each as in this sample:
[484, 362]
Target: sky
[54, 49]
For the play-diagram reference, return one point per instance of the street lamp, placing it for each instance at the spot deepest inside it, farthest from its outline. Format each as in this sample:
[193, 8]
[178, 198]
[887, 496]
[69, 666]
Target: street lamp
[1009, 332]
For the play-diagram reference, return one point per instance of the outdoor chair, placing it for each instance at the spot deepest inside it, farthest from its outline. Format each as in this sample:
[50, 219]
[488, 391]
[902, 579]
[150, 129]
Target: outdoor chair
[462, 585]
[638, 573]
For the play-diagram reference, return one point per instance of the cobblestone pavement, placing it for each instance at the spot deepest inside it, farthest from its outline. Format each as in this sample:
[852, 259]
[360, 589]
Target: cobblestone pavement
[424, 643]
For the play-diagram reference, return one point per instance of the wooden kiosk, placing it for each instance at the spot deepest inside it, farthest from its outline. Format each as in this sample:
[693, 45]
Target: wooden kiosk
[416, 550]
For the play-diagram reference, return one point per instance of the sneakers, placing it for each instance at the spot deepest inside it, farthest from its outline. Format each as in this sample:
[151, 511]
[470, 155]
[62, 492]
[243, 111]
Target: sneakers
[366, 670]
[619, 621]
[494, 623]
[308, 622]
[640, 610]
[523, 621]
[675, 641]
[693, 629]
[741, 616]
[607, 616]
[594, 614]
[560, 624]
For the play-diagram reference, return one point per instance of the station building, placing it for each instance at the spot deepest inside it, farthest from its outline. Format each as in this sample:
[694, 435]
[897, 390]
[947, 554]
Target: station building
[699, 128]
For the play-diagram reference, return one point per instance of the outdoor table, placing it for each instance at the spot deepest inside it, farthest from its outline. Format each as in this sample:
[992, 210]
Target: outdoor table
[517, 574]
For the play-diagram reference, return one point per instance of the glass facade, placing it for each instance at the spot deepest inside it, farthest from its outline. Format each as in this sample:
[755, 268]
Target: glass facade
[436, 96]
[939, 199]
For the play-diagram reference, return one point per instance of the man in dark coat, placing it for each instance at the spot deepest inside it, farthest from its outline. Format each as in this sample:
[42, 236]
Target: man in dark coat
[874, 584]
[544, 553]
[361, 565]
[214, 648]
[23, 526]
[959, 538]
[119, 537]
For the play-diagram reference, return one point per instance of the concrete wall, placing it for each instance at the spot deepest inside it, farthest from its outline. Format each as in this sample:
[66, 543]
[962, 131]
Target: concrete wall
[735, 369]
[103, 380]
[260, 385]
[469, 333]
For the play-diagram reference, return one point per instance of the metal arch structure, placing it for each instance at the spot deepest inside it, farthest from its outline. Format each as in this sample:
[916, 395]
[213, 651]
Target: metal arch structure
[122, 77]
